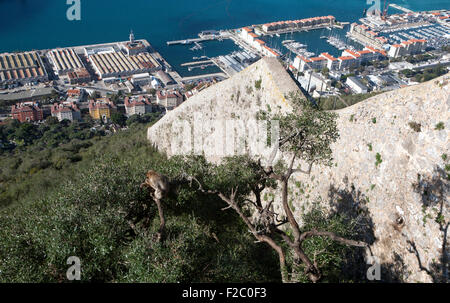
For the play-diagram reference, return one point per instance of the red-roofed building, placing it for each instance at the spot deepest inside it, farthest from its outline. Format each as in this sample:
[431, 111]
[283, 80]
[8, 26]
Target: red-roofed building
[169, 99]
[351, 53]
[26, 112]
[269, 52]
[66, 112]
[346, 62]
[137, 106]
[102, 108]
[332, 62]
[410, 47]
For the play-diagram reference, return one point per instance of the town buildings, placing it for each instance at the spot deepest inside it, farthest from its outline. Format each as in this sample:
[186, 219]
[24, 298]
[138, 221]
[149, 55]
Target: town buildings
[356, 85]
[27, 112]
[169, 99]
[102, 108]
[298, 24]
[409, 47]
[66, 112]
[365, 36]
[137, 105]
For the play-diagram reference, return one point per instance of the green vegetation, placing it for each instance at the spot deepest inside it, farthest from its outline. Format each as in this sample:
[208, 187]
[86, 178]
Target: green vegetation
[258, 84]
[439, 126]
[32, 155]
[374, 120]
[419, 58]
[369, 146]
[331, 103]
[415, 126]
[426, 74]
[378, 159]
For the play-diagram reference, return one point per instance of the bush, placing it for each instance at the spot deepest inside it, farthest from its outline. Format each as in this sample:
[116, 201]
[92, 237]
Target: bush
[415, 126]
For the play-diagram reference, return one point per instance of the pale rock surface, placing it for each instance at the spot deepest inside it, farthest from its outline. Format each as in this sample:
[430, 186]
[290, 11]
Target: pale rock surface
[379, 125]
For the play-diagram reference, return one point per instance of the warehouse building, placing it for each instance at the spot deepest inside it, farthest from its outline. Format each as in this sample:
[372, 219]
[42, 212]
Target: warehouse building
[64, 61]
[111, 62]
[21, 68]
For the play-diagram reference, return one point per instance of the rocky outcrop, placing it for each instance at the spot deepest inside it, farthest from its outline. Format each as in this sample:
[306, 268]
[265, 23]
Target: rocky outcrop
[390, 160]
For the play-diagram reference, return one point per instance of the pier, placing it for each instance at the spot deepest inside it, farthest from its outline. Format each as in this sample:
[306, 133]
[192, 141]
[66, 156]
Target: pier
[187, 41]
[196, 63]
[401, 8]
[220, 37]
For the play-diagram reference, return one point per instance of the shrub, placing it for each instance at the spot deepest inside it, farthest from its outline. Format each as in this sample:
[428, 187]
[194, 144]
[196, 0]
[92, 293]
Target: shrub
[415, 126]
[378, 159]
[439, 126]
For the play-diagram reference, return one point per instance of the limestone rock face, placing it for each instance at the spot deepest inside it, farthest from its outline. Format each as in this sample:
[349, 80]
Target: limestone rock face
[390, 158]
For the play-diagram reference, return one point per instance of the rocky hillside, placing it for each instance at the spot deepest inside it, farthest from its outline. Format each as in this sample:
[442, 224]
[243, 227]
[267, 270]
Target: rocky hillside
[390, 160]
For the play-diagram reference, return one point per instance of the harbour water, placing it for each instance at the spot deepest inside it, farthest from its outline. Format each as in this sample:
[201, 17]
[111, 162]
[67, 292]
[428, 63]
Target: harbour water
[42, 24]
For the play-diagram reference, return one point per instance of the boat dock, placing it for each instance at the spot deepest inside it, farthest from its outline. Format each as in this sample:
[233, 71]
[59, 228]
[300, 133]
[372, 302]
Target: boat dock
[196, 63]
[188, 41]
[401, 8]
[202, 38]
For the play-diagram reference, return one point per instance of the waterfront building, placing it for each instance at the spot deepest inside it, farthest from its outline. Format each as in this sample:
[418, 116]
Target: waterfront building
[298, 24]
[102, 108]
[111, 62]
[316, 63]
[66, 111]
[134, 47]
[381, 53]
[365, 36]
[64, 61]
[169, 99]
[351, 53]
[258, 44]
[245, 31]
[332, 62]
[409, 47]
[267, 51]
[347, 62]
[27, 112]
[21, 68]
[137, 106]
[367, 55]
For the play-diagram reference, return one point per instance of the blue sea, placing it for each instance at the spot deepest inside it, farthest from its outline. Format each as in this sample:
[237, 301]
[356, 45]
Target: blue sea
[42, 24]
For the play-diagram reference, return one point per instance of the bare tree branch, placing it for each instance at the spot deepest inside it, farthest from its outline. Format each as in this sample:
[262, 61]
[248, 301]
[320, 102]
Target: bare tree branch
[332, 236]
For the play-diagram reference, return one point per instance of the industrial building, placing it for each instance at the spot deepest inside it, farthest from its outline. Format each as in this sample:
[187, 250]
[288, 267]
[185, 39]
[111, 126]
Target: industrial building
[116, 64]
[64, 61]
[21, 68]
